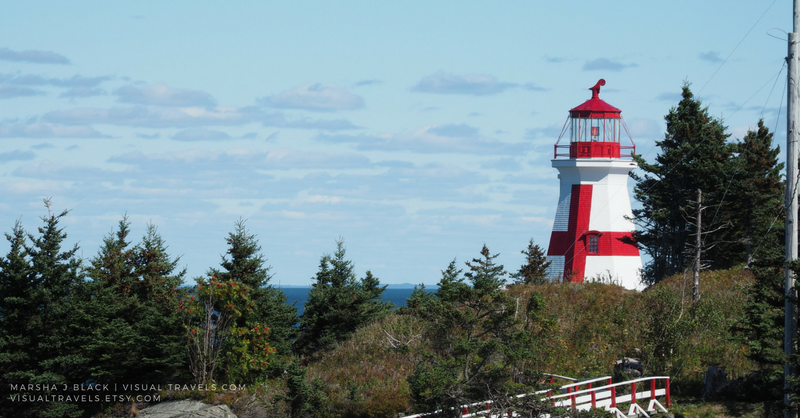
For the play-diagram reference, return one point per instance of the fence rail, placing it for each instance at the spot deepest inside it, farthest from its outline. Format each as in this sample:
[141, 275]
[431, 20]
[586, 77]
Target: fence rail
[582, 395]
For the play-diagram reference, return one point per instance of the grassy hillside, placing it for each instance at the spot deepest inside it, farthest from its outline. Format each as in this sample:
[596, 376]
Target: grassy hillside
[588, 328]
[592, 325]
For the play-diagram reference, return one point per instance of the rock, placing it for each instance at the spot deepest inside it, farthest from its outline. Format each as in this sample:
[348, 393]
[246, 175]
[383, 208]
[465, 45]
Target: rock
[628, 368]
[186, 409]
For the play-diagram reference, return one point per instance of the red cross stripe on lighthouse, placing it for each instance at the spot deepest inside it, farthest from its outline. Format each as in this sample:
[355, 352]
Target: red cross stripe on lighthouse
[578, 241]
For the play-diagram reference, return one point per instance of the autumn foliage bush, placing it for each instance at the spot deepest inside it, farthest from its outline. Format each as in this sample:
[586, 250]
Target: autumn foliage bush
[213, 339]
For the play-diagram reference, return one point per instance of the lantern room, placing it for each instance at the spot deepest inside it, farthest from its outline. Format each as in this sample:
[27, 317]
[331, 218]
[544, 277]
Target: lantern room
[595, 128]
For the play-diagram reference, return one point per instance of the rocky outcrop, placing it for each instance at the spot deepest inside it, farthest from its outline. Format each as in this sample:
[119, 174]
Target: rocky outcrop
[186, 409]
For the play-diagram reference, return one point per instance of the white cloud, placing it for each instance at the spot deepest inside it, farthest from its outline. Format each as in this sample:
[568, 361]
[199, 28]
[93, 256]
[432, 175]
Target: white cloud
[276, 158]
[461, 130]
[502, 164]
[36, 80]
[187, 117]
[471, 84]
[47, 130]
[606, 64]
[8, 92]
[33, 56]
[293, 214]
[315, 97]
[61, 172]
[711, 56]
[16, 155]
[548, 132]
[322, 199]
[148, 136]
[429, 182]
[644, 128]
[172, 117]
[670, 97]
[368, 82]
[449, 138]
[278, 120]
[162, 95]
[200, 134]
[82, 92]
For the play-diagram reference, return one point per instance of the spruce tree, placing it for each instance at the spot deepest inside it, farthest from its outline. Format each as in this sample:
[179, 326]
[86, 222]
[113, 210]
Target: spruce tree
[534, 270]
[37, 326]
[760, 330]
[478, 340]
[693, 155]
[757, 195]
[130, 308]
[338, 303]
[244, 263]
[14, 306]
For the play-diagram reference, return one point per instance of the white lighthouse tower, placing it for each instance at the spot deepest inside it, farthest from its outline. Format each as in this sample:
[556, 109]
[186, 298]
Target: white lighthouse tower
[592, 233]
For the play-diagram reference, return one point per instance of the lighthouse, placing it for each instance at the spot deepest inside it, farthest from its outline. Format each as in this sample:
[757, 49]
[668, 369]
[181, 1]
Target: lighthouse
[592, 234]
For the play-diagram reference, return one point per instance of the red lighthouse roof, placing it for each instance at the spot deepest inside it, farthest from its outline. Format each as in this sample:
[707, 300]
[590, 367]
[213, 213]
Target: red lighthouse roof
[594, 129]
[594, 107]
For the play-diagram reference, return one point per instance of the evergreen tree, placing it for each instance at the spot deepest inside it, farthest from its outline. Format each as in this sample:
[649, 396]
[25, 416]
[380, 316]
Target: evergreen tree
[478, 340]
[38, 281]
[757, 196]
[14, 306]
[338, 303]
[130, 308]
[761, 328]
[158, 274]
[244, 263]
[694, 155]
[534, 270]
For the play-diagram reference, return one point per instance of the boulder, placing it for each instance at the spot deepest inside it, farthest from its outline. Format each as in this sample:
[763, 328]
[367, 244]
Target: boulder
[186, 409]
[628, 368]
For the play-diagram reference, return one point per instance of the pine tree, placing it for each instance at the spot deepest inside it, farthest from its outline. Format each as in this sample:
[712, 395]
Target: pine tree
[534, 270]
[694, 155]
[761, 328]
[757, 195]
[37, 325]
[158, 273]
[245, 263]
[130, 310]
[478, 341]
[338, 303]
[14, 306]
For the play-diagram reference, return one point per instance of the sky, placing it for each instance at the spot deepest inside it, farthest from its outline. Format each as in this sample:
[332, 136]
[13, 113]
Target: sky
[415, 131]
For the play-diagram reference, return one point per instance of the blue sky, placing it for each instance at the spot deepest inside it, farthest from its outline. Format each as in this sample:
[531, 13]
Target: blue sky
[416, 131]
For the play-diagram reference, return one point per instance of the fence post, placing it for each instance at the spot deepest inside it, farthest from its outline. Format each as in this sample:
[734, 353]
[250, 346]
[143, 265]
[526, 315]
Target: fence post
[594, 397]
[464, 411]
[613, 396]
[569, 390]
[669, 403]
[653, 389]
[633, 392]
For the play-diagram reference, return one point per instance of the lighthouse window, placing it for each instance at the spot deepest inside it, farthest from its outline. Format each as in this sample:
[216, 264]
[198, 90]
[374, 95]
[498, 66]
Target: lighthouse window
[592, 244]
[595, 130]
[612, 130]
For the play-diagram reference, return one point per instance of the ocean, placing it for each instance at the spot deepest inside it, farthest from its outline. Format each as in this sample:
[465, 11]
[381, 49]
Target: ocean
[398, 296]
